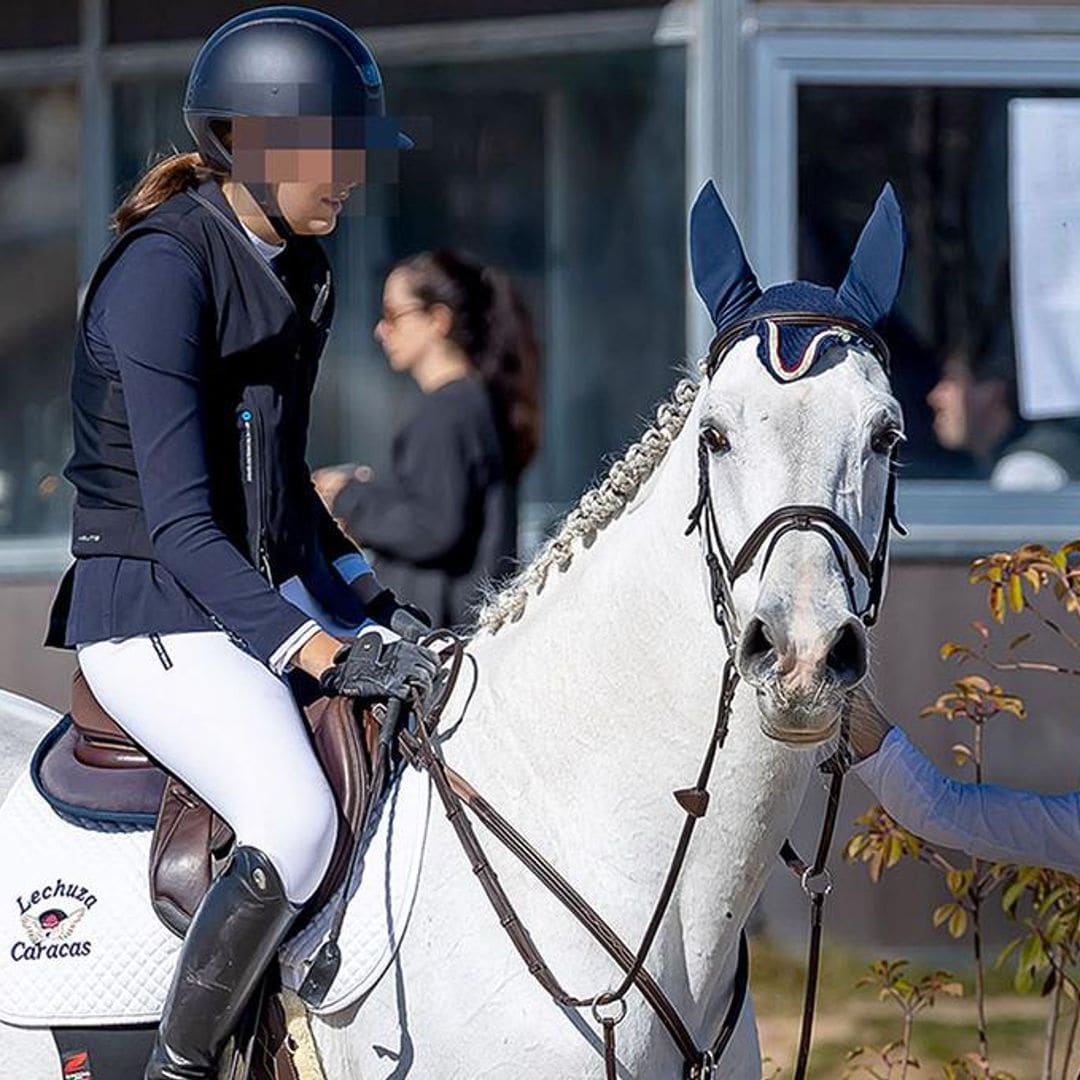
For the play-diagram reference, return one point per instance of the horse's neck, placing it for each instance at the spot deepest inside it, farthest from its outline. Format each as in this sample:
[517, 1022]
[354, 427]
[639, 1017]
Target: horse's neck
[599, 703]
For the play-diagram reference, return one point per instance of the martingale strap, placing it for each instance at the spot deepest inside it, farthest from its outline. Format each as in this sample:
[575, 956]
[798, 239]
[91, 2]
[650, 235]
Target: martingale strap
[423, 750]
[456, 794]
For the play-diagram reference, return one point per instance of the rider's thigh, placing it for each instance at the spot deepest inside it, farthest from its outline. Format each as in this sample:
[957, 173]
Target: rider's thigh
[230, 729]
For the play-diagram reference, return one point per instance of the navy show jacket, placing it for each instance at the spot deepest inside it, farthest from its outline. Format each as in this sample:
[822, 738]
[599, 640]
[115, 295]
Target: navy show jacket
[194, 364]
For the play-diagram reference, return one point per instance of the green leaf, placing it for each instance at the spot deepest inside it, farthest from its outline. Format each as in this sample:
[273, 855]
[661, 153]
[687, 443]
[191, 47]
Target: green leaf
[958, 923]
[1016, 593]
[1012, 894]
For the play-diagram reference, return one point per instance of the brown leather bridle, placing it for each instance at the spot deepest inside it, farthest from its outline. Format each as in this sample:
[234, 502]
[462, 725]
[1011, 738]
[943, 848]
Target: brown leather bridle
[423, 748]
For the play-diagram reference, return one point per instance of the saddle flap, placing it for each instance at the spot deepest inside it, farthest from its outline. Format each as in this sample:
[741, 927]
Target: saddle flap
[188, 839]
[100, 742]
[343, 742]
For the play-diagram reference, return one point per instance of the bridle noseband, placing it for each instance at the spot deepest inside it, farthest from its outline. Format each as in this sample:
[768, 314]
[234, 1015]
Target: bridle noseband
[724, 571]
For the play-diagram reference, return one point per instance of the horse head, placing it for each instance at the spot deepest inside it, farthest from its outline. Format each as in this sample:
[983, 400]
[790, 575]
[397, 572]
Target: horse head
[797, 430]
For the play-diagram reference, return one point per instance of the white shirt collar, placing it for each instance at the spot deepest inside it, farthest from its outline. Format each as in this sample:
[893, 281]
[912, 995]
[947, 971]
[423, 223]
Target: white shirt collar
[267, 251]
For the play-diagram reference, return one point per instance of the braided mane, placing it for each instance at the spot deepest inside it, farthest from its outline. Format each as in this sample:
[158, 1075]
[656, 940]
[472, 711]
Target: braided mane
[595, 510]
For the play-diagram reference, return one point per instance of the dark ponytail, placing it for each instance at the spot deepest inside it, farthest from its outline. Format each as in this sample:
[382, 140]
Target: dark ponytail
[163, 180]
[492, 325]
[167, 177]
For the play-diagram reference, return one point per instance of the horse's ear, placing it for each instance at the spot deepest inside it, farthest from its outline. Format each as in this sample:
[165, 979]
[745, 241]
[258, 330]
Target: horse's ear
[722, 276]
[877, 265]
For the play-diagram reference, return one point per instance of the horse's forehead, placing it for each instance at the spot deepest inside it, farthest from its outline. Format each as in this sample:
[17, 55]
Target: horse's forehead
[847, 376]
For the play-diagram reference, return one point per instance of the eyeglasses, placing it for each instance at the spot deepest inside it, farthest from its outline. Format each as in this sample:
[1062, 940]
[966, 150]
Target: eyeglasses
[391, 317]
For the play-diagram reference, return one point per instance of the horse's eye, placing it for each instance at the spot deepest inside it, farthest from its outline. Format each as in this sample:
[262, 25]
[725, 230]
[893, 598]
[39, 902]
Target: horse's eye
[885, 439]
[715, 440]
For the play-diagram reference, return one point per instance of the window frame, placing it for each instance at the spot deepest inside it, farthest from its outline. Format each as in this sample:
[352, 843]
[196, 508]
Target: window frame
[788, 45]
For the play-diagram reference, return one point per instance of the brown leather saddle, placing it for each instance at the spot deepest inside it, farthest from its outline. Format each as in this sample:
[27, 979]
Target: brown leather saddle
[95, 762]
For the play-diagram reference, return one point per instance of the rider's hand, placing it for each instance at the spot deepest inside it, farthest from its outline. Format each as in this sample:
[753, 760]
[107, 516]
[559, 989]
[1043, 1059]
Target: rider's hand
[370, 667]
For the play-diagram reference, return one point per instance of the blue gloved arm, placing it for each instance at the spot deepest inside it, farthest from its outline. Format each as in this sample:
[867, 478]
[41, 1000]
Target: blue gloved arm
[987, 820]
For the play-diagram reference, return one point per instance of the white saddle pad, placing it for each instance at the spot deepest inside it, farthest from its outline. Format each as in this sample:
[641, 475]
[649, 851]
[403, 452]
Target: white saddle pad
[80, 944]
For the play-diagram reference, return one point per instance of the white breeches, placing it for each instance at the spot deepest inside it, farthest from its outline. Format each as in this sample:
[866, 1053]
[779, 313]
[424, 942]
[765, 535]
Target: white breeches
[228, 728]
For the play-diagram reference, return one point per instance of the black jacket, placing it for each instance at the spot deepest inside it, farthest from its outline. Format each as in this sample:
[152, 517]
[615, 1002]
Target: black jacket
[444, 523]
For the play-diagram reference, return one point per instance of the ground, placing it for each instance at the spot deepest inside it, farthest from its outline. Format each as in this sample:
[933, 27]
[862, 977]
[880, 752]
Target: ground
[847, 1017]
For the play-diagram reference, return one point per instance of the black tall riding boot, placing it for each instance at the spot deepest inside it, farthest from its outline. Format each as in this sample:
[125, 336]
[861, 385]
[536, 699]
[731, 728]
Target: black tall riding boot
[232, 938]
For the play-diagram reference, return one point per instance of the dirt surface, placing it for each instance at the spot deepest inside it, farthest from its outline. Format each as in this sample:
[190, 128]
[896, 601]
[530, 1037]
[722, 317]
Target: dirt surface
[848, 1018]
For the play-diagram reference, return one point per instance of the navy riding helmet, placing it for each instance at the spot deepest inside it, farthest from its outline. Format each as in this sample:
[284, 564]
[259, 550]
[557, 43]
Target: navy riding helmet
[285, 62]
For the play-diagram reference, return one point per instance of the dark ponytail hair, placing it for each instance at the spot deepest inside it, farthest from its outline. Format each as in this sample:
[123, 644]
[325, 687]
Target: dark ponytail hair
[493, 327]
[165, 178]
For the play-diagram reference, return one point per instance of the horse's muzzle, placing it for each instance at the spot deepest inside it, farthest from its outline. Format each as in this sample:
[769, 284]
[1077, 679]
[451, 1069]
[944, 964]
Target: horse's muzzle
[801, 680]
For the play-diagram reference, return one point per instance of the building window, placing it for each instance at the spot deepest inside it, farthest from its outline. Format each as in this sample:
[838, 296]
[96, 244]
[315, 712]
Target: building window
[946, 151]
[567, 172]
[39, 202]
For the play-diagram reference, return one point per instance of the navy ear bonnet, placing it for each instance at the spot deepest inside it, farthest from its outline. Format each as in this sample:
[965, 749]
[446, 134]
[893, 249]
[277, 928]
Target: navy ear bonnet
[727, 285]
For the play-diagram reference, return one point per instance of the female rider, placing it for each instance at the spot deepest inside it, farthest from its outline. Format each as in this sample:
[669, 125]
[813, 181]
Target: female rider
[195, 359]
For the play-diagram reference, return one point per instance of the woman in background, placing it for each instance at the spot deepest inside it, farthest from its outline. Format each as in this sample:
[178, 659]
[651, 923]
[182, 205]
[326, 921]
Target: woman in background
[444, 521]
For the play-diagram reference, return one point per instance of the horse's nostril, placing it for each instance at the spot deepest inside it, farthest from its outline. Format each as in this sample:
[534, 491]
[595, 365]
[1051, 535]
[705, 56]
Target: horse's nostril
[847, 656]
[757, 646]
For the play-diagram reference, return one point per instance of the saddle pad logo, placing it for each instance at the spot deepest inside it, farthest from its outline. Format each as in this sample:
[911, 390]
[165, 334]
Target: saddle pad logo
[49, 923]
[77, 1066]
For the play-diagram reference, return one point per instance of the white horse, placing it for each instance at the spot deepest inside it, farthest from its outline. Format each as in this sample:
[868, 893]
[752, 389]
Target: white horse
[598, 679]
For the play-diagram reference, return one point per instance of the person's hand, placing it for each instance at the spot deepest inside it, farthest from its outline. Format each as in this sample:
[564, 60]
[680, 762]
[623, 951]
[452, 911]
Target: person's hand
[867, 726]
[331, 481]
[371, 668]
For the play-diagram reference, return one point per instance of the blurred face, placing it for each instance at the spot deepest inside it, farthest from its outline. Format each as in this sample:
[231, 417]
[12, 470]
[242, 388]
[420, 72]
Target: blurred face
[969, 413]
[406, 331]
[949, 401]
[311, 183]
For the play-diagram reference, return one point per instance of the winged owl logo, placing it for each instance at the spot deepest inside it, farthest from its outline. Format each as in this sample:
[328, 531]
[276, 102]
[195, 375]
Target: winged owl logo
[53, 923]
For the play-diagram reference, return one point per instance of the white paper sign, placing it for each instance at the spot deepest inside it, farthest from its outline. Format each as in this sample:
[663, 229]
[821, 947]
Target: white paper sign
[1044, 215]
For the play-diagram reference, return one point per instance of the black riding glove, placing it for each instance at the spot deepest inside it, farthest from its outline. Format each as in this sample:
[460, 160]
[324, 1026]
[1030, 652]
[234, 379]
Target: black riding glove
[410, 622]
[372, 668]
[384, 607]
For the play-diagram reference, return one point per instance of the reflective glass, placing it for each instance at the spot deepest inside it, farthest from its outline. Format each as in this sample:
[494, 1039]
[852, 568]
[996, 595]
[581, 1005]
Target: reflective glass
[946, 151]
[39, 203]
[568, 172]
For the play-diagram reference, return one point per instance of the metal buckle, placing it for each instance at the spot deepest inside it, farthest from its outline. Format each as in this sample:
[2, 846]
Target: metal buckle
[597, 1005]
[808, 876]
[704, 1069]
